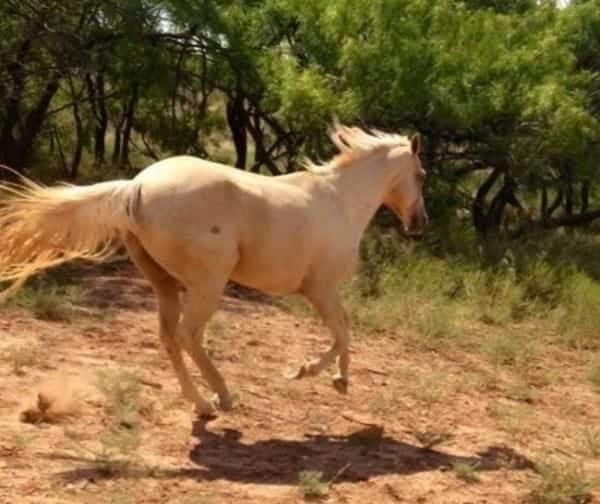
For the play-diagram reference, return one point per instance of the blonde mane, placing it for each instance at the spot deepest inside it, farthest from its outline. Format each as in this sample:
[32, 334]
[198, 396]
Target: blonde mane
[354, 143]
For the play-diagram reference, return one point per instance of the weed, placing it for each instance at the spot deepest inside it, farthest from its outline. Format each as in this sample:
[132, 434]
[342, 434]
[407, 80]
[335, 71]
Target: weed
[431, 438]
[507, 350]
[561, 483]
[578, 326]
[311, 485]
[121, 439]
[49, 301]
[513, 419]
[466, 472]
[122, 389]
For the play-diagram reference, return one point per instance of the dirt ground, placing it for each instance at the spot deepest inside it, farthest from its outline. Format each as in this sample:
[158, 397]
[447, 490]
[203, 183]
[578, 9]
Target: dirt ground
[415, 427]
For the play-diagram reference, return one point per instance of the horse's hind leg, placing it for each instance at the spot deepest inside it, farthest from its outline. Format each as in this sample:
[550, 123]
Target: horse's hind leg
[201, 302]
[169, 309]
[329, 306]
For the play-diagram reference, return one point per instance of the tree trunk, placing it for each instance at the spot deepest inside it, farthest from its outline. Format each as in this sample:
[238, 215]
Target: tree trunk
[237, 119]
[76, 161]
[97, 97]
[478, 208]
[117, 142]
[568, 190]
[9, 148]
[585, 195]
[35, 121]
[128, 127]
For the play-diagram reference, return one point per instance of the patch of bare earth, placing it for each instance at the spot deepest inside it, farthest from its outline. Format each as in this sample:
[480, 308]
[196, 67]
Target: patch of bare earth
[410, 418]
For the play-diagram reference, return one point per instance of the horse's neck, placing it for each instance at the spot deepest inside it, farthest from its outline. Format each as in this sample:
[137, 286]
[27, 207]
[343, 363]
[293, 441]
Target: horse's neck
[362, 187]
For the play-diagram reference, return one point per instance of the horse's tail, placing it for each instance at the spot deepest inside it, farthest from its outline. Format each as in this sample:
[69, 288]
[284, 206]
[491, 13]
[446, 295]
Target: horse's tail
[42, 226]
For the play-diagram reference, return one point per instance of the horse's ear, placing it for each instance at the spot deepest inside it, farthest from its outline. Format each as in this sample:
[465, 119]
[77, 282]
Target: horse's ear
[415, 144]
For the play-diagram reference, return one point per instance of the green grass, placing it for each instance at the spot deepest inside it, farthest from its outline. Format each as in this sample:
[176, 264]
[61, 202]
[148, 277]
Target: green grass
[117, 452]
[312, 486]
[122, 390]
[52, 295]
[561, 483]
[477, 301]
[466, 472]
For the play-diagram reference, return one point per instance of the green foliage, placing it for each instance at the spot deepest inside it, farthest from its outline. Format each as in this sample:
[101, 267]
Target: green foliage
[312, 486]
[466, 472]
[444, 300]
[561, 483]
[51, 296]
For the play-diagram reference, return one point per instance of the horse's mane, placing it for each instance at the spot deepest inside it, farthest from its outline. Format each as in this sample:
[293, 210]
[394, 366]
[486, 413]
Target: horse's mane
[354, 143]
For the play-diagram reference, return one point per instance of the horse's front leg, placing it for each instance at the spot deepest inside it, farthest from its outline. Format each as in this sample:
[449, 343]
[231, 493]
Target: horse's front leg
[329, 306]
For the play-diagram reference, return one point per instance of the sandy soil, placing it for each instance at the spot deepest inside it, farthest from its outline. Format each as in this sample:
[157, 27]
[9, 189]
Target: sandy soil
[371, 445]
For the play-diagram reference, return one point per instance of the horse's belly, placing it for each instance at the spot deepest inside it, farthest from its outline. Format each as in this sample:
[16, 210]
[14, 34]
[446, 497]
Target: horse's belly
[268, 274]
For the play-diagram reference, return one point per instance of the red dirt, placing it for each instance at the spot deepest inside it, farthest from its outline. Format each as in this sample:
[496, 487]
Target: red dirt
[370, 441]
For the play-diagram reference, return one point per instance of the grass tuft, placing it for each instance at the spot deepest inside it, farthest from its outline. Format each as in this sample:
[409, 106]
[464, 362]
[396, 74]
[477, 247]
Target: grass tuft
[312, 486]
[561, 483]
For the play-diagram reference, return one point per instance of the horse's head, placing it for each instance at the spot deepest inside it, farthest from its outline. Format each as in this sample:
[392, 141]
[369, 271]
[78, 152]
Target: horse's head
[405, 198]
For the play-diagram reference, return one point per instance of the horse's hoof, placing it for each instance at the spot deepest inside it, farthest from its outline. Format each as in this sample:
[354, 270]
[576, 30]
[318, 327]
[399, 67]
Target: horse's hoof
[340, 384]
[222, 403]
[295, 374]
[206, 413]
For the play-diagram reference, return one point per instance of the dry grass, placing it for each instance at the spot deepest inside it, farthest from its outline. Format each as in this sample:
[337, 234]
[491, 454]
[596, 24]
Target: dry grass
[561, 483]
[21, 358]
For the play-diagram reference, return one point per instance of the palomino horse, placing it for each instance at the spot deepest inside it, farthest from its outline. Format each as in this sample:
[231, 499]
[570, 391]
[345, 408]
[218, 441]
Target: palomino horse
[190, 223]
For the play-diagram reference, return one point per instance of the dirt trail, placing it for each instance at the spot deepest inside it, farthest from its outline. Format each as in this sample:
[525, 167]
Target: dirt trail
[372, 442]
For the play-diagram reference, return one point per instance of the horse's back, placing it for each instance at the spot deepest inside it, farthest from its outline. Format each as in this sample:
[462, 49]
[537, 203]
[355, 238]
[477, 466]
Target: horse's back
[195, 211]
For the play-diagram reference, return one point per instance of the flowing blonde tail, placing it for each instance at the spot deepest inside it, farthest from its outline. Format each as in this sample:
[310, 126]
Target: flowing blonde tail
[42, 226]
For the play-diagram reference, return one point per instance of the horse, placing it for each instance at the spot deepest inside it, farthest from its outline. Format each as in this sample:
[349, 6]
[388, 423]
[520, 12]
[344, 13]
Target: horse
[193, 225]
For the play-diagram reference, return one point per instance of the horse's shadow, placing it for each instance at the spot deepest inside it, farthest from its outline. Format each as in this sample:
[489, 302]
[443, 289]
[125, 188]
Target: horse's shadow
[361, 455]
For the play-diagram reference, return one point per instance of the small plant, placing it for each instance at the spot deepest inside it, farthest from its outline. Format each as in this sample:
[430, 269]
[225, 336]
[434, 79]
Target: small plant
[311, 485]
[507, 350]
[513, 419]
[20, 358]
[466, 472]
[579, 326]
[122, 390]
[561, 483]
[432, 438]
[49, 301]
[121, 439]
[436, 323]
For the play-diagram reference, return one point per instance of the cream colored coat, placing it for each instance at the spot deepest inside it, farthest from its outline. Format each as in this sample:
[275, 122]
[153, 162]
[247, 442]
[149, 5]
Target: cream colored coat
[190, 223]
